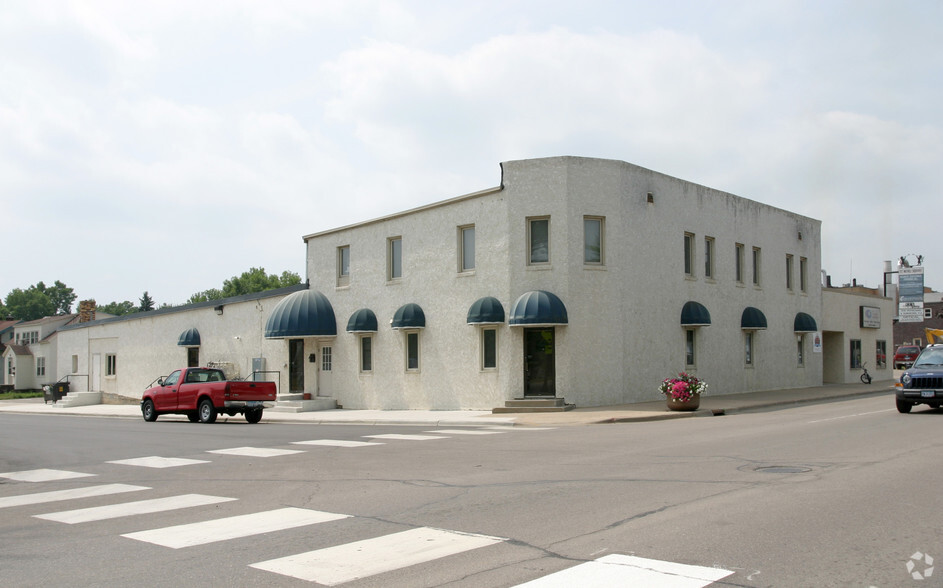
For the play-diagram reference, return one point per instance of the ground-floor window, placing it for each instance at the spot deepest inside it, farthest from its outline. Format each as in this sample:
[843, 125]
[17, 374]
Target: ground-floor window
[880, 354]
[855, 354]
[489, 349]
[111, 364]
[75, 364]
[40, 366]
[800, 347]
[366, 353]
[412, 351]
[748, 348]
[689, 347]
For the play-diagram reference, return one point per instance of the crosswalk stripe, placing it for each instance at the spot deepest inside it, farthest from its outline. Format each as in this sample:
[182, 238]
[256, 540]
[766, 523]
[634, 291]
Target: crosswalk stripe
[255, 451]
[350, 561]
[43, 475]
[71, 494]
[513, 428]
[465, 432]
[158, 462]
[113, 511]
[400, 437]
[233, 527]
[336, 443]
[628, 570]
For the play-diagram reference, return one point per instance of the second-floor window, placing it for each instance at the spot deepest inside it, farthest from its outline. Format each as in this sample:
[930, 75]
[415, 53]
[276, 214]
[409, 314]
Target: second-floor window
[789, 272]
[803, 268]
[756, 266]
[708, 257]
[343, 265]
[593, 227]
[689, 254]
[738, 262]
[395, 255]
[466, 245]
[538, 240]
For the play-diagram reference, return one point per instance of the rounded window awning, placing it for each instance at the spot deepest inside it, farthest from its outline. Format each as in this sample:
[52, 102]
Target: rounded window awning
[752, 319]
[306, 313]
[804, 323]
[487, 310]
[189, 338]
[409, 316]
[694, 314]
[362, 321]
[538, 308]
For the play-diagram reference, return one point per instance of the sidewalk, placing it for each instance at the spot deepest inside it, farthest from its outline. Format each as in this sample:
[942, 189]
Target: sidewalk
[638, 412]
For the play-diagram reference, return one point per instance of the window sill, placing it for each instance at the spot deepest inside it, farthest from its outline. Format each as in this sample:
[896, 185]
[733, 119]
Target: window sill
[595, 267]
[539, 268]
[465, 274]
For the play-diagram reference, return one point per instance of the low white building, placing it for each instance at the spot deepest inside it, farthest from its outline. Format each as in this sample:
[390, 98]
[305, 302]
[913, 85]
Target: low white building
[580, 279]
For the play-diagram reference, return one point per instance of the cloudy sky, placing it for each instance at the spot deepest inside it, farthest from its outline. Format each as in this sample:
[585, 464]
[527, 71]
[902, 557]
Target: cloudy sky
[167, 146]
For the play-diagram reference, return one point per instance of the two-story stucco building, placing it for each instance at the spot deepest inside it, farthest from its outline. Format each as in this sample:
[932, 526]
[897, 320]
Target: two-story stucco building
[580, 279]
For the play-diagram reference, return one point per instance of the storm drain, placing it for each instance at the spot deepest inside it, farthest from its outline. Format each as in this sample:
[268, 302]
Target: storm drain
[783, 470]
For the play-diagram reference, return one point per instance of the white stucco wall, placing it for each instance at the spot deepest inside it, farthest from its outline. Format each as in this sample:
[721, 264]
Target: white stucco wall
[842, 324]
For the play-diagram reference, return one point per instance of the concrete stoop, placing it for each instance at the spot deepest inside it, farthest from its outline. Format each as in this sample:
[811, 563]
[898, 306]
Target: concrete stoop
[297, 403]
[533, 405]
[79, 399]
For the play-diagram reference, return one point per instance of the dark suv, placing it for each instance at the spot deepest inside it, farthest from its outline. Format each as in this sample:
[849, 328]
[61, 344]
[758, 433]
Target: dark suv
[923, 382]
[905, 356]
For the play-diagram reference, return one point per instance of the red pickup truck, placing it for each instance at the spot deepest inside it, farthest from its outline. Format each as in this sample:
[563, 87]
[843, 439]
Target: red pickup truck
[203, 393]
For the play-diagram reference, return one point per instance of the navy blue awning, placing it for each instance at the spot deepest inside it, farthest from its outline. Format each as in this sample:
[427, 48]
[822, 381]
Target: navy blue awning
[538, 308]
[362, 321]
[189, 338]
[804, 323]
[306, 313]
[487, 310]
[752, 319]
[409, 316]
[694, 314]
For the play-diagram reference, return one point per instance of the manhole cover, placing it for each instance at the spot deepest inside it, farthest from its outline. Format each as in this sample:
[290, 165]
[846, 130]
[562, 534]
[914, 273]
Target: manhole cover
[783, 470]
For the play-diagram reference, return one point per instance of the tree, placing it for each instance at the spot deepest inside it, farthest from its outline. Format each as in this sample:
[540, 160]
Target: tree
[205, 296]
[118, 308]
[62, 297]
[30, 304]
[254, 280]
[147, 303]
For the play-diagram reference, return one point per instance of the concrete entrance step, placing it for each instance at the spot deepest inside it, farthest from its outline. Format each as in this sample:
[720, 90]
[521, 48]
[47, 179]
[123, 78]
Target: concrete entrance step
[79, 399]
[533, 405]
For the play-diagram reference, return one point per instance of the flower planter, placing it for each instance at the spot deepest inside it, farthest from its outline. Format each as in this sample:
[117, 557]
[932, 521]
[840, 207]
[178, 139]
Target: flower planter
[691, 404]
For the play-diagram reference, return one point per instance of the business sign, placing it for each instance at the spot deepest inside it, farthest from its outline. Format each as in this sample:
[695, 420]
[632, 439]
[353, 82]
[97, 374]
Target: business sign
[870, 317]
[910, 312]
[910, 294]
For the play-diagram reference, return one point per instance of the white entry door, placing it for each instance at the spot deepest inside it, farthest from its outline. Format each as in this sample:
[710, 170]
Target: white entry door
[94, 372]
[326, 370]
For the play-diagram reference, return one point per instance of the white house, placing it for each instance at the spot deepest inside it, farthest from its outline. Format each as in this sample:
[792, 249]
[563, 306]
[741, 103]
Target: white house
[583, 281]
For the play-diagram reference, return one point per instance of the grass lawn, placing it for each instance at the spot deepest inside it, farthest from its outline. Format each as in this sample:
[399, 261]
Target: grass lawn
[21, 394]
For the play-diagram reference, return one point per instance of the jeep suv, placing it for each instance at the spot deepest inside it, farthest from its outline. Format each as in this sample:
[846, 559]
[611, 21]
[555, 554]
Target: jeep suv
[923, 382]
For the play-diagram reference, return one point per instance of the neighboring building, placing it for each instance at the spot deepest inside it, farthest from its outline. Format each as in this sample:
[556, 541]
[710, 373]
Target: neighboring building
[585, 279]
[29, 360]
[6, 332]
[857, 332]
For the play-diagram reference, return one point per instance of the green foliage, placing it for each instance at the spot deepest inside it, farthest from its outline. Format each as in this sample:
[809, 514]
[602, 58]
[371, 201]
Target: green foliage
[38, 301]
[254, 280]
[147, 303]
[21, 394]
[118, 308]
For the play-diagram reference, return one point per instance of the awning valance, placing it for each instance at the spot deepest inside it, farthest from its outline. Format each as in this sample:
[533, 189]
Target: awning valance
[694, 314]
[487, 310]
[804, 323]
[538, 308]
[189, 338]
[362, 321]
[409, 316]
[306, 313]
[752, 319]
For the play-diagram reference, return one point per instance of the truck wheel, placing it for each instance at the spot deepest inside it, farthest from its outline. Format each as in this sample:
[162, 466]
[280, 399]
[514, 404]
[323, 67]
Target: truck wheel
[147, 410]
[904, 406]
[254, 416]
[207, 411]
[193, 417]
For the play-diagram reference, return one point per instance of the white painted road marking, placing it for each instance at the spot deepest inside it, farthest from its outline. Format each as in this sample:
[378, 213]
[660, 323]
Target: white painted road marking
[336, 443]
[158, 462]
[405, 437]
[255, 451]
[234, 527]
[43, 475]
[57, 495]
[627, 570]
[465, 432]
[343, 563]
[848, 416]
[114, 511]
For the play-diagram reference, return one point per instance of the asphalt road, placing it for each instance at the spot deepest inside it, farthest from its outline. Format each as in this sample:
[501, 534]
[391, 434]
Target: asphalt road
[836, 494]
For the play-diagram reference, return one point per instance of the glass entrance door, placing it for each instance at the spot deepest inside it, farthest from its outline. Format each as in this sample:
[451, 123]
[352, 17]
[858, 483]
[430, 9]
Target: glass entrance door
[539, 370]
[296, 366]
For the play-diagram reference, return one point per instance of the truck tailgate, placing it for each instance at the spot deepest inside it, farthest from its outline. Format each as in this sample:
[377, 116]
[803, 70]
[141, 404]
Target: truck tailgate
[252, 390]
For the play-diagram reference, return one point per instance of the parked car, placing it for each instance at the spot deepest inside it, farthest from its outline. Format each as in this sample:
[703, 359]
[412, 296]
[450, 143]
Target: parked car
[922, 383]
[905, 356]
[203, 393]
